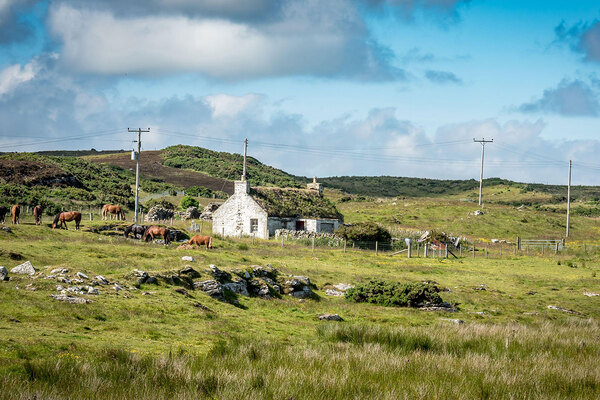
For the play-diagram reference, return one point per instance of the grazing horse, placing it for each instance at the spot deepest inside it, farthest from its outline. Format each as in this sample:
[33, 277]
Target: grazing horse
[156, 231]
[63, 217]
[199, 240]
[116, 210]
[15, 211]
[37, 214]
[3, 212]
[135, 230]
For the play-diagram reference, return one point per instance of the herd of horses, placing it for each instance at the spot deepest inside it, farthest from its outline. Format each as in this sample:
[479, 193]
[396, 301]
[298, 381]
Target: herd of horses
[144, 231]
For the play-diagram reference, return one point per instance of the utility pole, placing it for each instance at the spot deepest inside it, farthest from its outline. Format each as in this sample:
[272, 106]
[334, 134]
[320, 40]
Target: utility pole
[569, 198]
[137, 167]
[245, 152]
[483, 142]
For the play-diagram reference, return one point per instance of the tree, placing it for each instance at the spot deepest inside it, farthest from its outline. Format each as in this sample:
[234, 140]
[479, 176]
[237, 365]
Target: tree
[188, 201]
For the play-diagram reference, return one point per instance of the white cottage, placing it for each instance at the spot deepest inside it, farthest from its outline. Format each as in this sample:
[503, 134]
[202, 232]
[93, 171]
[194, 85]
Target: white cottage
[260, 211]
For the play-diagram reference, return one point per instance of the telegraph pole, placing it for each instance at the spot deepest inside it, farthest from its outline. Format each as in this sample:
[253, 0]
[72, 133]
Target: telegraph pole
[137, 167]
[483, 142]
[245, 152]
[569, 198]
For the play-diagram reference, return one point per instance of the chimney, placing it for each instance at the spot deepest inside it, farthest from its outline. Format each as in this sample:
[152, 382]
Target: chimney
[241, 187]
[315, 186]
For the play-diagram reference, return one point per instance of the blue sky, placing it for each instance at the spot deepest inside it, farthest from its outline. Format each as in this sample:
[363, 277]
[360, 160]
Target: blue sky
[343, 87]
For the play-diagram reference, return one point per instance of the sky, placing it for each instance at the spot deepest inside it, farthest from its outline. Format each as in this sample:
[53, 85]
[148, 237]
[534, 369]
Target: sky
[325, 88]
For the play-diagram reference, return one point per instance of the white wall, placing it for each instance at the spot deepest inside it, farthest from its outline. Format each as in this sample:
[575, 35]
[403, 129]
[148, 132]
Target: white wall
[233, 217]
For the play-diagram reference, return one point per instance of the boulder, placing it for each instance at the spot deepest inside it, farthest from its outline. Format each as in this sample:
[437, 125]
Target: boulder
[69, 299]
[59, 271]
[81, 275]
[142, 276]
[24, 269]
[298, 286]
[334, 293]
[211, 287]
[189, 272]
[190, 213]
[342, 287]
[188, 258]
[102, 280]
[330, 317]
[92, 290]
[7, 229]
[3, 273]
[237, 287]
[218, 274]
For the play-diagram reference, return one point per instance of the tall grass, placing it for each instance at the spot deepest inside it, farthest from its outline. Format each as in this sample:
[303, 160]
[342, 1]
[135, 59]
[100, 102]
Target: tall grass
[347, 362]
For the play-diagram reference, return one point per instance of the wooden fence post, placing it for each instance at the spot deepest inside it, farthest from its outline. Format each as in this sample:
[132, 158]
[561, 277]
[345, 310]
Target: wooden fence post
[313, 244]
[376, 248]
[556, 249]
[409, 249]
[281, 240]
[253, 234]
[486, 250]
[344, 245]
[425, 250]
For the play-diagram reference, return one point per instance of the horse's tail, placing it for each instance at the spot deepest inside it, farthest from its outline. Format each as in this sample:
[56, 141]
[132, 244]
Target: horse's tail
[55, 220]
[122, 215]
[128, 231]
[166, 236]
[210, 242]
[78, 218]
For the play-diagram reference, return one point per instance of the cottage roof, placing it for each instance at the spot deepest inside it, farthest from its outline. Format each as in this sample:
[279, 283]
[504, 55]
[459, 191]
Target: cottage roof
[299, 203]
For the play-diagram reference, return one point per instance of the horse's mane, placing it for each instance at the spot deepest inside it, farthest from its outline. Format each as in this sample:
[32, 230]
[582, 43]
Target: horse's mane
[56, 219]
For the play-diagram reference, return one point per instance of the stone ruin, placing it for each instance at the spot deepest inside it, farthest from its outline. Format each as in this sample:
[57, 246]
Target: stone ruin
[157, 213]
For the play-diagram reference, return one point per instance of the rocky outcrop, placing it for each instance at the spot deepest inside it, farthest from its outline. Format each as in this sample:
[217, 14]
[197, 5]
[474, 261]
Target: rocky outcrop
[208, 211]
[3, 274]
[70, 299]
[330, 317]
[190, 213]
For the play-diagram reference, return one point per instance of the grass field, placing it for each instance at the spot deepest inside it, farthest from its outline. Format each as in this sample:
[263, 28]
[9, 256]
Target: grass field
[153, 342]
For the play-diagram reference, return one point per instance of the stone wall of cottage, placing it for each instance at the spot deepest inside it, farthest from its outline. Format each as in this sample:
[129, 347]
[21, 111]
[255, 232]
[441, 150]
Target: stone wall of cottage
[234, 217]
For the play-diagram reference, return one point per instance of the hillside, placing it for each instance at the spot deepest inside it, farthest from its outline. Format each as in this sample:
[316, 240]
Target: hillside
[391, 186]
[153, 166]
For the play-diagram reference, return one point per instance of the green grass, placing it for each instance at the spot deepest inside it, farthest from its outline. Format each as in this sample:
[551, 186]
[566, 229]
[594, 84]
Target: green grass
[161, 345]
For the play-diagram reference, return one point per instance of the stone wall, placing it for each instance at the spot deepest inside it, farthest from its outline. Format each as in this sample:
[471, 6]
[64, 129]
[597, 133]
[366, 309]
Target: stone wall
[288, 233]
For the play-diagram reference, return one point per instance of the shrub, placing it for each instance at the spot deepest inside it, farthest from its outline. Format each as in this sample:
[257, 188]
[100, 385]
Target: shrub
[364, 231]
[188, 201]
[161, 203]
[395, 293]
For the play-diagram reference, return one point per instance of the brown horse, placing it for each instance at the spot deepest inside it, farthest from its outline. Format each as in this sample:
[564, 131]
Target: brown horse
[199, 240]
[113, 209]
[15, 211]
[63, 217]
[3, 212]
[37, 214]
[156, 231]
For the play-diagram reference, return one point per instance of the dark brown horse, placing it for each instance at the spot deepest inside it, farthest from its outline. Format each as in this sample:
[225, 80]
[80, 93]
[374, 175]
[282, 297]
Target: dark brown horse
[156, 231]
[37, 214]
[3, 212]
[63, 217]
[135, 230]
[199, 240]
[15, 211]
[113, 209]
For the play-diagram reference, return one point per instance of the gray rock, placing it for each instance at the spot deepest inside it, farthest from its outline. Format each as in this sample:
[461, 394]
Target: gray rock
[218, 274]
[190, 272]
[330, 317]
[182, 291]
[92, 290]
[142, 276]
[50, 277]
[117, 287]
[238, 287]
[69, 299]
[211, 287]
[64, 280]
[454, 321]
[334, 293]
[81, 275]
[7, 229]
[3, 273]
[59, 271]
[562, 309]
[102, 280]
[59, 288]
[151, 280]
[188, 258]
[24, 269]
[305, 293]
[342, 287]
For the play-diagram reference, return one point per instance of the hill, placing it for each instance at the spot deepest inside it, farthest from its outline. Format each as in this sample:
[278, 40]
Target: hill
[392, 186]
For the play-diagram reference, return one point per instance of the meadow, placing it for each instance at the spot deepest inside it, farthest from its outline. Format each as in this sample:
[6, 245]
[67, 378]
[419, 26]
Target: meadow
[152, 342]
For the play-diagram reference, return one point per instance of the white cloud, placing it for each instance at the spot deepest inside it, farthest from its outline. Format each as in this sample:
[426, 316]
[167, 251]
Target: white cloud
[12, 76]
[330, 42]
[224, 105]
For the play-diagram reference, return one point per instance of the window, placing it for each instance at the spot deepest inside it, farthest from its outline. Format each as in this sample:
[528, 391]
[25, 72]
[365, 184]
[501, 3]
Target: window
[253, 225]
[327, 227]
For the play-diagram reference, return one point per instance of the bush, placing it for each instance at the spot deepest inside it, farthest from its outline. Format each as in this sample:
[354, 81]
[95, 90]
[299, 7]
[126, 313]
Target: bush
[188, 201]
[161, 203]
[395, 293]
[364, 231]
